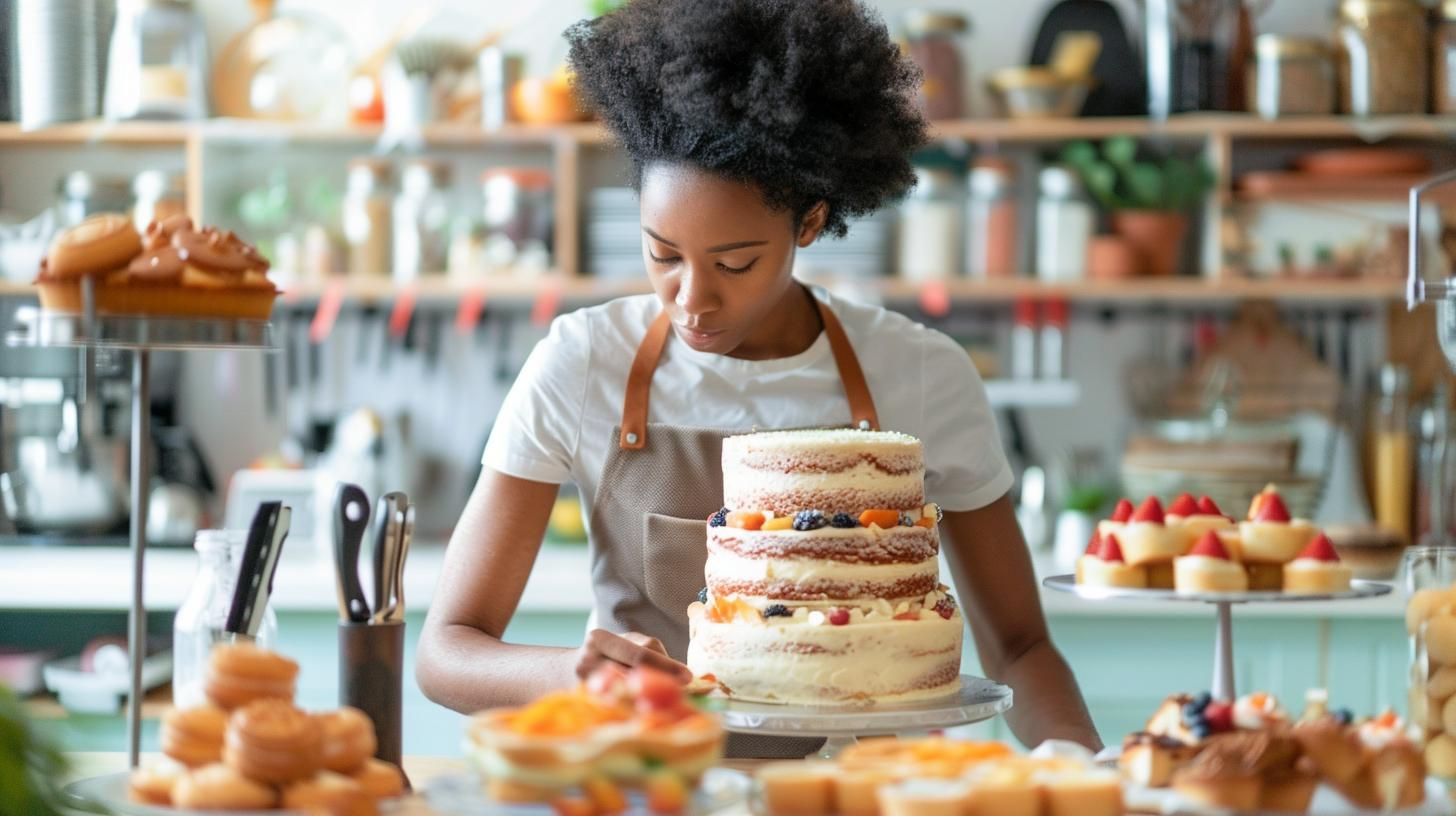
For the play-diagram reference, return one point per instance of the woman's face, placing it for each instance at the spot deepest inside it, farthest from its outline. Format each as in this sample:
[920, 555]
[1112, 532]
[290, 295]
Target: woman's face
[720, 259]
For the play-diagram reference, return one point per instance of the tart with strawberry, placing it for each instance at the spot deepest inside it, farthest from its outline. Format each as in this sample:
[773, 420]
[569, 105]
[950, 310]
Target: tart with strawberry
[1208, 568]
[1147, 541]
[1317, 570]
[621, 728]
[1121, 515]
[1191, 518]
[1270, 535]
[1092, 553]
[1110, 569]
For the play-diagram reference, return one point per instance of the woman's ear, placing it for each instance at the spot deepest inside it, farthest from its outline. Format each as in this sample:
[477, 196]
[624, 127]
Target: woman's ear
[813, 223]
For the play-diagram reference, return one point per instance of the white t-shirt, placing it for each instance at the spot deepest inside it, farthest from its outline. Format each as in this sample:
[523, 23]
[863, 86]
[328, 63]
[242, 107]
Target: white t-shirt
[557, 422]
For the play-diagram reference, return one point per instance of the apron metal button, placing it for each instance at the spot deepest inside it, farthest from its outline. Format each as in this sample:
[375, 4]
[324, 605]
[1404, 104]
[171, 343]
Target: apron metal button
[864, 424]
[631, 439]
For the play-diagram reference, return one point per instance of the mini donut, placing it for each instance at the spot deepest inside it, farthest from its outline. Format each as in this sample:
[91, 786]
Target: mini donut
[1439, 636]
[239, 673]
[329, 792]
[218, 787]
[153, 784]
[1442, 683]
[382, 780]
[348, 739]
[102, 243]
[272, 741]
[1441, 756]
[193, 736]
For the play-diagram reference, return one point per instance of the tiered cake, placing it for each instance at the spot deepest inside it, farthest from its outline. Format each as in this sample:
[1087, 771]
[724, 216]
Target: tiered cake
[823, 583]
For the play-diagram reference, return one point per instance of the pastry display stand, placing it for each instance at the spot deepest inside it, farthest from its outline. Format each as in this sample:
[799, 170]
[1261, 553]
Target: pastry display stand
[1222, 686]
[38, 328]
[977, 700]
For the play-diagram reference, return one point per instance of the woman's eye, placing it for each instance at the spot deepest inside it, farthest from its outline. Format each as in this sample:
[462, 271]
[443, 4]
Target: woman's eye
[664, 261]
[736, 269]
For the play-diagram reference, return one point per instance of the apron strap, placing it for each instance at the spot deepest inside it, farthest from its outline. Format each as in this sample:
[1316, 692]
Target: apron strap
[639, 381]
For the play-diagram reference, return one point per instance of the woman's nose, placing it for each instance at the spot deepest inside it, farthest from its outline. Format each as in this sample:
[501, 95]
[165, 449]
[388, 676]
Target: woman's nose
[695, 294]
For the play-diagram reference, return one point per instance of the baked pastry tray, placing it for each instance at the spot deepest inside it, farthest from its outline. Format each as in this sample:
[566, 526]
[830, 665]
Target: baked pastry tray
[108, 794]
[43, 327]
[977, 700]
[1326, 802]
[1068, 583]
[461, 794]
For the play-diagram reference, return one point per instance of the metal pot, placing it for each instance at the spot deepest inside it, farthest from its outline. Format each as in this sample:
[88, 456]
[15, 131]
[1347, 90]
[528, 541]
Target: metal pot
[57, 479]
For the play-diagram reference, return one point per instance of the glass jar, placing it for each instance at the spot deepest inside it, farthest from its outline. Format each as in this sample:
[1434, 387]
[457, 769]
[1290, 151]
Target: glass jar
[991, 220]
[1064, 222]
[421, 220]
[934, 40]
[518, 217]
[1291, 76]
[930, 218]
[1430, 583]
[1443, 60]
[1382, 53]
[83, 194]
[368, 194]
[200, 619]
[159, 195]
[157, 63]
[1390, 434]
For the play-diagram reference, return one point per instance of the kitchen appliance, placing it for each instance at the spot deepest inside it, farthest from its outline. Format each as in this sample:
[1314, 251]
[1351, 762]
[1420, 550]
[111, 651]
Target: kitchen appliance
[55, 41]
[157, 63]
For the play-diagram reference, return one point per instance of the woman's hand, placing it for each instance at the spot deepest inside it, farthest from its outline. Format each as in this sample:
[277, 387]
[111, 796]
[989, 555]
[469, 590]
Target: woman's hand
[631, 649]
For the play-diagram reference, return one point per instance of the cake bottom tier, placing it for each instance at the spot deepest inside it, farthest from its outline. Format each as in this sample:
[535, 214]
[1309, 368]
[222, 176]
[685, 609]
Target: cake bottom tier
[807, 664]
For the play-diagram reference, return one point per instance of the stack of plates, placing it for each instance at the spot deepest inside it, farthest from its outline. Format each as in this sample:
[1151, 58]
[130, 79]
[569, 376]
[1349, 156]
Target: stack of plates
[614, 242]
[56, 43]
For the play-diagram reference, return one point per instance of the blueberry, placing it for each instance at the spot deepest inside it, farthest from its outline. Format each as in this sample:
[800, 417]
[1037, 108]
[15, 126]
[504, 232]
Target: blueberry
[1191, 712]
[776, 611]
[1202, 700]
[703, 595]
[805, 520]
[906, 521]
[1202, 729]
[1344, 716]
[719, 518]
[843, 521]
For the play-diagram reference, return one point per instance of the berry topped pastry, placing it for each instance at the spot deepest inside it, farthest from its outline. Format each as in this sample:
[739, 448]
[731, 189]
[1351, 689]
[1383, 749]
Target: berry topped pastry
[1148, 541]
[1317, 569]
[1271, 535]
[1208, 568]
[1110, 568]
[1192, 518]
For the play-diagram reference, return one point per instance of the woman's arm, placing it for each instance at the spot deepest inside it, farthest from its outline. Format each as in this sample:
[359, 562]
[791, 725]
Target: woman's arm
[997, 585]
[461, 661]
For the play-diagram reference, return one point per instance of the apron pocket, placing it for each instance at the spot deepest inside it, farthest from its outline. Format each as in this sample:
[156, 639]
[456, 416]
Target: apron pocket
[674, 551]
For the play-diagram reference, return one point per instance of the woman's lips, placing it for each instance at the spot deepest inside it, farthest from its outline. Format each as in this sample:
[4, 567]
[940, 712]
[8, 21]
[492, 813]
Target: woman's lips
[698, 338]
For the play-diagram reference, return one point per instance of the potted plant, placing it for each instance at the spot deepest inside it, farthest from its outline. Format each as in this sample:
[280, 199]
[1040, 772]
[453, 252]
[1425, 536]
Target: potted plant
[1148, 197]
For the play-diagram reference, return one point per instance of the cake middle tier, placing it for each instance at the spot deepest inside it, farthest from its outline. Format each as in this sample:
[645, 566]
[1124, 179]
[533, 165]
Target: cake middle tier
[822, 566]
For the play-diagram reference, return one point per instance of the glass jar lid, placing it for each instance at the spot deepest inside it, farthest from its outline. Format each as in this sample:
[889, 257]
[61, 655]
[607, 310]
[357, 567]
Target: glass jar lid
[922, 22]
[1059, 182]
[1370, 8]
[1277, 47]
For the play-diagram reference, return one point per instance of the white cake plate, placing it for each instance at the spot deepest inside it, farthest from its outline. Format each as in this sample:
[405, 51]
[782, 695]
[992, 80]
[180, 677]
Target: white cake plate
[977, 700]
[1223, 645]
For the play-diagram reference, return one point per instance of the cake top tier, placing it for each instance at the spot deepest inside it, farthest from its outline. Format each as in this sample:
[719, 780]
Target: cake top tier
[831, 470]
[825, 439]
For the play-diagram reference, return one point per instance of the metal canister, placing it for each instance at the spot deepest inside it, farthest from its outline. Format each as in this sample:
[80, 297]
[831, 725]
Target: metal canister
[56, 42]
[499, 73]
[1291, 76]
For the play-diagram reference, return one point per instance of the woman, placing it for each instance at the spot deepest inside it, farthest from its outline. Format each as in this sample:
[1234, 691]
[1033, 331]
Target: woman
[754, 128]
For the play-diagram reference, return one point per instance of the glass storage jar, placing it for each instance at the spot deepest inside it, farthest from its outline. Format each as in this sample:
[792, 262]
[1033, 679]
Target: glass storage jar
[199, 624]
[1291, 76]
[1382, 53]
[422, 221]
[1430, 616]
[518, 217]
[368, 194]
[991, 229]
[1443, 60]
[930, 232]
[157, 65]
[934, 40]
[1065, 219]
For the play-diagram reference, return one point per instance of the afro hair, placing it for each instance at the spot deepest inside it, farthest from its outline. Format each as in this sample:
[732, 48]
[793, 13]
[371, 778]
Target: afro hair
[809, 100]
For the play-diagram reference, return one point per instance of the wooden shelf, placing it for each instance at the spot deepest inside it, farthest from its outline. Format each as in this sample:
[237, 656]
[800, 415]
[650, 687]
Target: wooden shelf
[1186, 126]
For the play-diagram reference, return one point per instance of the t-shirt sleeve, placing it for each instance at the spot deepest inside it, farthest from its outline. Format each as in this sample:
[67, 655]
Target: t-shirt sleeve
[965, 465]
[539, 425]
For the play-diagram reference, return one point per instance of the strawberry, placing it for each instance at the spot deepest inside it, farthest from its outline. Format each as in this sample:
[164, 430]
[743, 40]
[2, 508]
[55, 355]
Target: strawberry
[839, 617]
[1111, 550]
[1220, 717]
[1207, 507]
[1151, 510]
[1320, 549]
[1122, 512]
[1094, 545]
[1211, 546]
[654, 689]
[1272, 509]
[1184, 506]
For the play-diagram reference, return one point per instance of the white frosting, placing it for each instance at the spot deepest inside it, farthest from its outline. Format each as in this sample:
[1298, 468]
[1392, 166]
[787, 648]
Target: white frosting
[1312, 565]
[1206, 562]
[819, 439]
[1252, 717]
[725, 566]
[1376, 736]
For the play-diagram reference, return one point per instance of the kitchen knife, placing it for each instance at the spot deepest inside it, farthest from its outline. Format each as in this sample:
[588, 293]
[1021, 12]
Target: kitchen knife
[396, 612]
[259, 563]
[351, 519]
[387, 526]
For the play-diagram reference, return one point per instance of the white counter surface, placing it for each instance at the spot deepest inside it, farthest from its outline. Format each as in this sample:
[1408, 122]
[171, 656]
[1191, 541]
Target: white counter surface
[98, 578]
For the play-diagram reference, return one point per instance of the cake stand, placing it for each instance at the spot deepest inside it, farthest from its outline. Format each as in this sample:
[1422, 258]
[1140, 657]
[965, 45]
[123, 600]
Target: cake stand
[1222, 687]
[977, 700]
[36, 328]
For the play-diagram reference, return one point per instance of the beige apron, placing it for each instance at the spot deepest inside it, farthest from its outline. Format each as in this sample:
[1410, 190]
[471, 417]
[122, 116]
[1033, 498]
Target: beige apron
[648, 522]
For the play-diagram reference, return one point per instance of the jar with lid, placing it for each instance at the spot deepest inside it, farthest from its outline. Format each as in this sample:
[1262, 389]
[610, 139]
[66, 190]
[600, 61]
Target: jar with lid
[421, 220]
[201, 619]
[1383, 55]
[159, 195]
[83, 194]
[930, 226]
[1443, 59]
[991, 219]
[1291, 76]
[1064, 222]
[366, 216]
[518, 217]
[1391, 439]
[1430, 618]
[934, 40]
[156, 67]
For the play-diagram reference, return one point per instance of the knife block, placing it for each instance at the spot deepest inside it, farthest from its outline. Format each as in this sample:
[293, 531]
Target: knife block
[371, 678]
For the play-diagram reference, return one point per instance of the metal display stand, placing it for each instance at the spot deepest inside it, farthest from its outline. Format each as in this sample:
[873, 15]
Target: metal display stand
[38, 328]
[1222, 687]
[977, 700]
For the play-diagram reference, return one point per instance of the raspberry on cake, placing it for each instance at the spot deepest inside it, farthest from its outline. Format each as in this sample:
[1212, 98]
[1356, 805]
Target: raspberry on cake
[1317, 569]
[851, 573]
[1208, 568]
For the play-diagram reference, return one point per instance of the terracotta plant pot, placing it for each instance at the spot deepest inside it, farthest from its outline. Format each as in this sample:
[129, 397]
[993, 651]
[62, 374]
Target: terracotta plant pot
[1155, 235]
[1112, 257]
